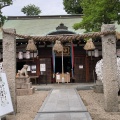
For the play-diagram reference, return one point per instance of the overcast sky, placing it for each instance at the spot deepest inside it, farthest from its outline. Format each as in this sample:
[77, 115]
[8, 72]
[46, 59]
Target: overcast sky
[48, 7]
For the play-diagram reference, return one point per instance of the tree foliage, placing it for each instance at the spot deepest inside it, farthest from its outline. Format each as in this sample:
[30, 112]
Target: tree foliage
[98, 12]
[31, 10]
[4, 3]
[72, 6]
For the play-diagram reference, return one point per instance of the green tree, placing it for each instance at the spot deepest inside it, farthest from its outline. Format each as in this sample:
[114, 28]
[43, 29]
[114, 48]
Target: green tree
[4, 3]
[72, 6]
[98, 12]
[31, 10]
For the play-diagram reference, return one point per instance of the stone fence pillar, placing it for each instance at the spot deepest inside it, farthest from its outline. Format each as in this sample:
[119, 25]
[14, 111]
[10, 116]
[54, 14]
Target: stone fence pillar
[109, 70]
[9, 63]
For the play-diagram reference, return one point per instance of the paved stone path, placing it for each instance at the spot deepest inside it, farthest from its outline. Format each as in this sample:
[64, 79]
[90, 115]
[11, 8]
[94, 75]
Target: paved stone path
[63, 104]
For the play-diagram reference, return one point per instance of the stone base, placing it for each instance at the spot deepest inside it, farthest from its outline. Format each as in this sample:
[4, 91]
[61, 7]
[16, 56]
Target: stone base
[98, 88]
[22, 80]
[29, 91]
[23, 86]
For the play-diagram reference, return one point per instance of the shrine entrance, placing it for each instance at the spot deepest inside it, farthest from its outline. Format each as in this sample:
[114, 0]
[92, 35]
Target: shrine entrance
[66, 64]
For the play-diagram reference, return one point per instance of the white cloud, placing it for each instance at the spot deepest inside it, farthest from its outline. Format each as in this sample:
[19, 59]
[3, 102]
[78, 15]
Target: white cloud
[48, 7]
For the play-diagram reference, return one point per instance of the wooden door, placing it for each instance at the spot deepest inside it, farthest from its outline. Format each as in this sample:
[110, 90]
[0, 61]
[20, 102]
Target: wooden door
[80, 69]
[45, 76]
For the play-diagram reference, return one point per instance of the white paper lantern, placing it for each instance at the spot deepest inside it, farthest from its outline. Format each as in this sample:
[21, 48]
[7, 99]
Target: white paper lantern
[89, 53]
[27, 54]
[24, 55]
[35, 54]
[31, 55]
[96, 53]
[0, 55]
[118, 52]
[20, 55]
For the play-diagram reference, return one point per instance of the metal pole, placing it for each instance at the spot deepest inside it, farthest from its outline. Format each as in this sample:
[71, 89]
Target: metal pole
[62, 62]
[62, 69]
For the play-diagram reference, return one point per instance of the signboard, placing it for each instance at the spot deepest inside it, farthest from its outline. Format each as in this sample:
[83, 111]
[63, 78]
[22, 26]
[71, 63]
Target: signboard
[58, 77]
[5, 98]
[33, 68]
[66, 51]
[42, 67]
[1, 66]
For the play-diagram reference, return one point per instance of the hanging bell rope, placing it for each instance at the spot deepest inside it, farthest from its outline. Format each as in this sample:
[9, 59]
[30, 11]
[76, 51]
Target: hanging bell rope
[31, 46]
[58, 47]
[89, 45]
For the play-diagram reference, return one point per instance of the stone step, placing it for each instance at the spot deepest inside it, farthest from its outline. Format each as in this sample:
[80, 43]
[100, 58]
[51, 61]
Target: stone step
[29, 91]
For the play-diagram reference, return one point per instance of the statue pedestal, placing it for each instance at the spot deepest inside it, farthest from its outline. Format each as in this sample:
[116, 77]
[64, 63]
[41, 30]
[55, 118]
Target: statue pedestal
[98, 88]
[24, 86]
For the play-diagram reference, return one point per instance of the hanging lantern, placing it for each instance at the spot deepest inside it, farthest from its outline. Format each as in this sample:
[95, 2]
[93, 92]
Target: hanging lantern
[118, 52]
[24, 55]
[20, 55]
[35, 54]
[31, 55]
[96, 53]
[89, 45]
[0, 55]
[89, 53]
[27, 54]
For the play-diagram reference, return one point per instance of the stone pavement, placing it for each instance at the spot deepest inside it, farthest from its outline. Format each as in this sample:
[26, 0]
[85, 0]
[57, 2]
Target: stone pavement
[78, 86]
[63, 104]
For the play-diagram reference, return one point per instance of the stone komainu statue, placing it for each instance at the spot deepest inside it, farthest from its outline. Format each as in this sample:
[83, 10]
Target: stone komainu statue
[99, 70]
[23, 72]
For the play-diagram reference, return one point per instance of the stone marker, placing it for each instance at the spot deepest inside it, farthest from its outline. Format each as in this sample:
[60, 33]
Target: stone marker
[9, 63]
[109, 69]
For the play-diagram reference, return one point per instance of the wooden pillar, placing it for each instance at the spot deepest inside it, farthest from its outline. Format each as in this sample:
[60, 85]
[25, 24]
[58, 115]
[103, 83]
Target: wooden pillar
[9, 63]
[109, 70]
[87, 69]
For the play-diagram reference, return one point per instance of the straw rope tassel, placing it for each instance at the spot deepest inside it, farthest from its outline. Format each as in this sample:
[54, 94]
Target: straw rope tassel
[89, 45]
[58, 47]
[31, 46]
[118, 35]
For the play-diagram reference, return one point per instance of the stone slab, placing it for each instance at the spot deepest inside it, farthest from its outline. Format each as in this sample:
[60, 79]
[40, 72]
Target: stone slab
[63, 104]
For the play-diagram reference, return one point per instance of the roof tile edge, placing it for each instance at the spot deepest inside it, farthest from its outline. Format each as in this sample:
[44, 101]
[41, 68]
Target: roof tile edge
[44, 17]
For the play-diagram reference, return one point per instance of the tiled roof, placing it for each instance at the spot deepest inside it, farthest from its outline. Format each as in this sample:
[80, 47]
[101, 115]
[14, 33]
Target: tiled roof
[41, 25]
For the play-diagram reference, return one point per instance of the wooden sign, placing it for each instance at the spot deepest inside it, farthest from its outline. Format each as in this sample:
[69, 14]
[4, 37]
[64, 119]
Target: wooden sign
[66, 52]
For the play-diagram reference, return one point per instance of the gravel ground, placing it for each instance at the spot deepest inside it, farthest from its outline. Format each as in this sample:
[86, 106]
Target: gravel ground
[29, 105]
[95, 105]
